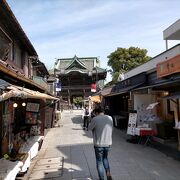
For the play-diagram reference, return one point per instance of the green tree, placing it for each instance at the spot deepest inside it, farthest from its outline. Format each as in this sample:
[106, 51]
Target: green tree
[77, 101]
[125, 59]
[115, 76]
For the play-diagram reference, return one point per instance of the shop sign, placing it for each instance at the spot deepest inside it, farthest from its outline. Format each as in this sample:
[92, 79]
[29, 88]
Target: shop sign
[58, 85]
[168, 67]
[132, 124]
[133, 81]
[93, 87]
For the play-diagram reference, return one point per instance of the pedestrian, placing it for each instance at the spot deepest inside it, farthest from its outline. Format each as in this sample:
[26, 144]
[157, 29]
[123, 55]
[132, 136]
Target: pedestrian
[71, 108]
[107, 111]
[102, 126]
[86, 118]
[92, 114]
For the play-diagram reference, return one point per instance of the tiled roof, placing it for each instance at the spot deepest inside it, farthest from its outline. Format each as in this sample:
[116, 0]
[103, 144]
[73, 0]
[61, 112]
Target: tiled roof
[3, 84]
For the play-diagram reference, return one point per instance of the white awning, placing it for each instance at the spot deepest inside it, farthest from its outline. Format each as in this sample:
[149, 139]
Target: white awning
[172, 32]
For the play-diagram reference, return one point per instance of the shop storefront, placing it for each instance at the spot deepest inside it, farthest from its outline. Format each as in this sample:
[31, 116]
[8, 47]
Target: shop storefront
[120, 101]
[22, 116]
[157, 103]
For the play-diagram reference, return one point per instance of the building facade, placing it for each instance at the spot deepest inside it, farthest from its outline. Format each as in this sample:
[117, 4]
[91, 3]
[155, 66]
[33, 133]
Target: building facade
[152, 91]
[24, 110]
[78, 77]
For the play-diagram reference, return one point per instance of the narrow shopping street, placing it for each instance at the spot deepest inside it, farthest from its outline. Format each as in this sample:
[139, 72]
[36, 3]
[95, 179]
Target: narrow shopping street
[67, 153]
[63, 63]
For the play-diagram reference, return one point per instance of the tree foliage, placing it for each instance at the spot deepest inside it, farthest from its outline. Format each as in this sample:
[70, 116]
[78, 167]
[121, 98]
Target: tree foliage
[115, 76]
[125, 59]
[77, 100]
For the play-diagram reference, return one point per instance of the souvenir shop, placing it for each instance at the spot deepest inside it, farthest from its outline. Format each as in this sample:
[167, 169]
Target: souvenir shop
[22, 124]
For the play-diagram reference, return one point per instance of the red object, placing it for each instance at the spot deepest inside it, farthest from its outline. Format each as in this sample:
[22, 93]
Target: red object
[93, 87]
[147, 132]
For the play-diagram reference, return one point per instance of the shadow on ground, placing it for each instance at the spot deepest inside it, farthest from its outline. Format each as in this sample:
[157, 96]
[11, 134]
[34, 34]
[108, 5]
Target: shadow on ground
[77, 119]
[78, 164]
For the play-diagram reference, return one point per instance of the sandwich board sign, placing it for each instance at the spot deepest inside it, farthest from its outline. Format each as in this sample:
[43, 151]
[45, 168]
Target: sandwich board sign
[132, 124]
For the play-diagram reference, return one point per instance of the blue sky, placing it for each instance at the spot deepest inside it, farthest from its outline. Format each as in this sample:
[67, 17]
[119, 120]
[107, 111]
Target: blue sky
[63, 28]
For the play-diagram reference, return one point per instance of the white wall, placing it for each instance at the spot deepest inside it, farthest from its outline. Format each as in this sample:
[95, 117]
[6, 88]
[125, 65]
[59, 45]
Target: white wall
[141, 102]
[143, 99]
[150, 65]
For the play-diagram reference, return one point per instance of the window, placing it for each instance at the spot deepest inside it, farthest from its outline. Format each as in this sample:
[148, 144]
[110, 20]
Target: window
[5, 46]
[18, 56]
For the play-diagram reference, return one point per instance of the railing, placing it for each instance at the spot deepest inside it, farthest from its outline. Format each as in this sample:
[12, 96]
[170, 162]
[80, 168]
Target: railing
[40, 81]
[76, 87]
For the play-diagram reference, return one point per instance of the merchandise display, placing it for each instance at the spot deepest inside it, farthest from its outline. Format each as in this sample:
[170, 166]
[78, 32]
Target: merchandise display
[21, 129]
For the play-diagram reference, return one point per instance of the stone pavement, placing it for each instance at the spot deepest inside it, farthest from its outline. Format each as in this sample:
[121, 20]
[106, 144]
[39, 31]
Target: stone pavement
[67, 153]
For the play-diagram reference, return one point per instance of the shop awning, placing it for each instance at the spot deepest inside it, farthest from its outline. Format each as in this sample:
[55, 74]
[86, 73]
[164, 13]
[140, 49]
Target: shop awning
[96, 98]
[161, 85]
[20, 92]
[124, 90]
[106, 91]
[3, 84]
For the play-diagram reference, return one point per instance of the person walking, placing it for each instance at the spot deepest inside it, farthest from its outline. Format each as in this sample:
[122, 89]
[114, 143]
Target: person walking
[86, 118]
[102, 126]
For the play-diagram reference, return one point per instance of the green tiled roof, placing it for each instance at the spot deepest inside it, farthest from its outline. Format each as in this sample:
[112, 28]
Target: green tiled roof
[83, 65]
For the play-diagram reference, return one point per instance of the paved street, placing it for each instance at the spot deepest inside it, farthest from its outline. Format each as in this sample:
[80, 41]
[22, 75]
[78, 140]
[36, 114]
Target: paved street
[69, 151]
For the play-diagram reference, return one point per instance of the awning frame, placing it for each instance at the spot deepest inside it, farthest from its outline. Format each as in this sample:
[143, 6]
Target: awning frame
[24, 93]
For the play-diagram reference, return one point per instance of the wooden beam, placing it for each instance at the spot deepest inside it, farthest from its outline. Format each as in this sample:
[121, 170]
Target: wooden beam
[1, 125]
[19, 77]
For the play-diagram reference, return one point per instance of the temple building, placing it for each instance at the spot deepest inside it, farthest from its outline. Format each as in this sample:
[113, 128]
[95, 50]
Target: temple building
[78, 77]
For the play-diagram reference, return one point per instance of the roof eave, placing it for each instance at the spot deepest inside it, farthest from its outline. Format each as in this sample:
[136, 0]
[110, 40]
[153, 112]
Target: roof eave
[16, 27]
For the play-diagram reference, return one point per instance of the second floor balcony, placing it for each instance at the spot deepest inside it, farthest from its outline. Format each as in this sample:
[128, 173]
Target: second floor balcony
[39, 80]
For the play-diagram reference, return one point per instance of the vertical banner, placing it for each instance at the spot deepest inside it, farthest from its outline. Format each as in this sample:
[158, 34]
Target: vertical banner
[58, 85]
[93, 87]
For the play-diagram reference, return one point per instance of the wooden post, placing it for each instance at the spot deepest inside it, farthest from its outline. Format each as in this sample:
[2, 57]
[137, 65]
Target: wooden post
[178, 139]
[176, 118]
[166, 44]
[42, 115]
[1, 122]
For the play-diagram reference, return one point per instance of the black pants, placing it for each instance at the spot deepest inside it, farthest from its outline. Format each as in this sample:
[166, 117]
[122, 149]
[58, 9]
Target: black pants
[86, 122]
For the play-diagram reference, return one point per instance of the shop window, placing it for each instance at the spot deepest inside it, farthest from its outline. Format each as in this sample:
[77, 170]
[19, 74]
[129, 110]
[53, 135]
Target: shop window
[5, 46]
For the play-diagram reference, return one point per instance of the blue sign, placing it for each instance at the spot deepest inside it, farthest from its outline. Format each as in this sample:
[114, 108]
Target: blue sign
[58, 85]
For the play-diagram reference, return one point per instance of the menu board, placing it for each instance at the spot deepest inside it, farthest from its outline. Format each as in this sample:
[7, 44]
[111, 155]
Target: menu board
[32, 107]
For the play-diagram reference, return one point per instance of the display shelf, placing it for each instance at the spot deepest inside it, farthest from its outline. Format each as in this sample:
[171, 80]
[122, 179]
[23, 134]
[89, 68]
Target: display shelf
[9, 169]
[31, 147]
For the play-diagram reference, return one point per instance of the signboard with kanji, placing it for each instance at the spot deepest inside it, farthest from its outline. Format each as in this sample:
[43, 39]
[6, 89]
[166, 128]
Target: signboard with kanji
[132, 123]
[168, 67]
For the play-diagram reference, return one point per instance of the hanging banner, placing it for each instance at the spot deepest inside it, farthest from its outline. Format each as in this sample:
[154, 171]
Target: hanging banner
[58, 85]
[93, 87]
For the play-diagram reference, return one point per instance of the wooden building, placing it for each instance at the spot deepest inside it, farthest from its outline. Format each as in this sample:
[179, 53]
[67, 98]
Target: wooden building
[78, 77]
[24, 111]
[152, 90]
